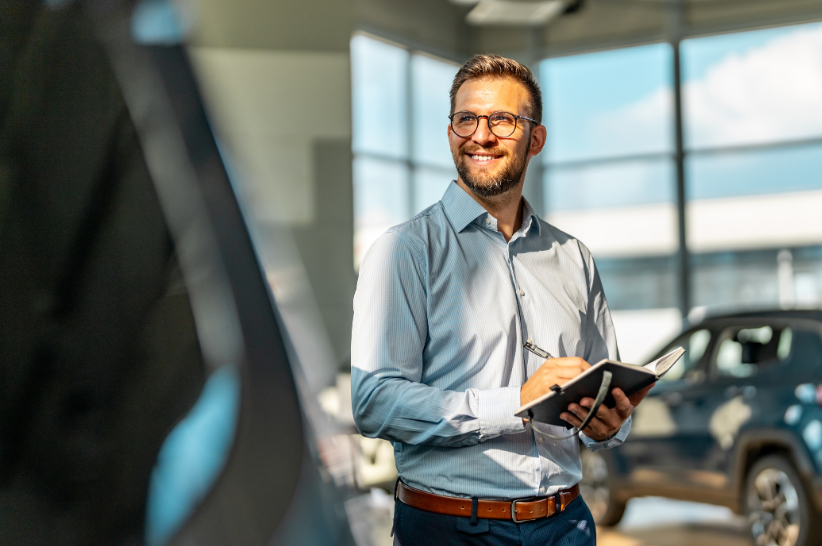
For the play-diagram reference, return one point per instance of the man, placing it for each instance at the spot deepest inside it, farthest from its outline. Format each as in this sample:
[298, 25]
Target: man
[444, 305]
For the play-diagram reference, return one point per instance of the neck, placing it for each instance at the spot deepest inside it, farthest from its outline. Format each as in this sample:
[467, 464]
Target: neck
[506, 208]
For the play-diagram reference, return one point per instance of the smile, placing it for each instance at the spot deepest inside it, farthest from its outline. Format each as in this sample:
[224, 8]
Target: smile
[483, 158]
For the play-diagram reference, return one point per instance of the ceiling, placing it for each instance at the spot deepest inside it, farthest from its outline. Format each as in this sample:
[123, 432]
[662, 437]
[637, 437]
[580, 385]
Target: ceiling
[439, 26]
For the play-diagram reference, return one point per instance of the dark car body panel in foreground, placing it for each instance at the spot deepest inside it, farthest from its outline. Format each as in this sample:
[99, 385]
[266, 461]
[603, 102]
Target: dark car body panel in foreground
[747, 389]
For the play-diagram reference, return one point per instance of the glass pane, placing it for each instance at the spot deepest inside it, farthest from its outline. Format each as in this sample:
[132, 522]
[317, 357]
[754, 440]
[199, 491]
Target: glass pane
[380, 200]
[616, 208]
[749, 87]
[758, 278]
[730, 279]
[608, 104]
[694, 344]
[755, 199]
[638, 283]
[754, 172]
[744, 351]
[431, 81]
[429, 185]
[612, 184]
[379, 105]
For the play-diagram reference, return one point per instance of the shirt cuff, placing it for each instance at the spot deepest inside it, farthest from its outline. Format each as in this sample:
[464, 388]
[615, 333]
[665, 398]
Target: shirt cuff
[496, 412]
[615, 440]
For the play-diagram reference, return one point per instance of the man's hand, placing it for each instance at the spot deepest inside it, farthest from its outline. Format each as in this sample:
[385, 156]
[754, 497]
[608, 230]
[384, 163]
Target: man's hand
[554, 371]
[607, 421]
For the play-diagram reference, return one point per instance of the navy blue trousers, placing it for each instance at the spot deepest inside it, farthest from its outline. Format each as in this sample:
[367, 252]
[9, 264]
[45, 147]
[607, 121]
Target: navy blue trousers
[572, 527]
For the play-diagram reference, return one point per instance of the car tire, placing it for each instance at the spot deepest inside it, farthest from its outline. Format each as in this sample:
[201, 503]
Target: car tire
[779, 510]
[597, 489]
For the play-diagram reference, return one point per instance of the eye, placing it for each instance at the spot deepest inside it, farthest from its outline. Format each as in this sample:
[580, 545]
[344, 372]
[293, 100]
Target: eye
[502, 118]
[466, 118]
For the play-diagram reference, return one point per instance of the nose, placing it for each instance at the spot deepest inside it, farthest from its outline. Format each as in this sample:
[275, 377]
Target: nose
[483, 135]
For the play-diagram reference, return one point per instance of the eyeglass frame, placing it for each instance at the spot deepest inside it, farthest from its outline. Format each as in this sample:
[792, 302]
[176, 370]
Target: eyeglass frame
[488, 122]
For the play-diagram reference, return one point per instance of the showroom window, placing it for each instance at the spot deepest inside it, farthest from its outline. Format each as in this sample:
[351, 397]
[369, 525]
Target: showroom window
[752, 128]
[402, 162]
[608, 179]
[753, 136]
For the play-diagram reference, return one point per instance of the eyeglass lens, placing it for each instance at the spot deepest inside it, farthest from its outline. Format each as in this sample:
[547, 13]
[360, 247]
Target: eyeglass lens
[502, 124]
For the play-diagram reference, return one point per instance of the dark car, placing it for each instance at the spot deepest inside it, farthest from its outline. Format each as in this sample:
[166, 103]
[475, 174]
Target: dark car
[737, 422]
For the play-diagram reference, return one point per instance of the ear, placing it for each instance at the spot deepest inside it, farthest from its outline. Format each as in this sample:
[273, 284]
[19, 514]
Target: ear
[539, 135]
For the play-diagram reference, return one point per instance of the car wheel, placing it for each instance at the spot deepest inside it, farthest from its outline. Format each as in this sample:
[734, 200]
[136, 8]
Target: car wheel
[777, 504]
[596, 488]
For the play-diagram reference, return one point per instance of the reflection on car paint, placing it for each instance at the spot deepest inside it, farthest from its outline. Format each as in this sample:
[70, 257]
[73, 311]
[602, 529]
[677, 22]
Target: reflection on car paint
[727, 419]
[793, 414]
[652, 418]
[812, 434]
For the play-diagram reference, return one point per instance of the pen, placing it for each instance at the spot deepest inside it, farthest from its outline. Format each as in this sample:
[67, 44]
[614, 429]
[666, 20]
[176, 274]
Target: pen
[542, 353]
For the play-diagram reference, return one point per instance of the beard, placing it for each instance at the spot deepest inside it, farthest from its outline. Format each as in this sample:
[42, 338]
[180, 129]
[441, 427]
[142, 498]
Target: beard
[484, 184]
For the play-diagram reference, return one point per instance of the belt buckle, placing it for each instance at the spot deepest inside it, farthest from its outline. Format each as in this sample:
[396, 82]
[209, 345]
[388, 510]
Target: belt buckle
[514, 510]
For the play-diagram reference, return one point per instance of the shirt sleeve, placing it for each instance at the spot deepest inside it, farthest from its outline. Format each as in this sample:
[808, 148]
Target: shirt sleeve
[600, 343]
[388, 339]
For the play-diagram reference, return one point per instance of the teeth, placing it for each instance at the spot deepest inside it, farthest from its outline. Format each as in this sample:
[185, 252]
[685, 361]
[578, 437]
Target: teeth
[482, 157]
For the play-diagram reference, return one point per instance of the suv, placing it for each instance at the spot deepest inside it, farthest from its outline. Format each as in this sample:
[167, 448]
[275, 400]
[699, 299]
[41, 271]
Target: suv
[737, 422]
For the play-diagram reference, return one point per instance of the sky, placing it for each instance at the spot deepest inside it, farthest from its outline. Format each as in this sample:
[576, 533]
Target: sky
[738, 89]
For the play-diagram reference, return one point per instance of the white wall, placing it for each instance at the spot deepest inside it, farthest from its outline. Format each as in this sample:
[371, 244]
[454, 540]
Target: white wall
[270, 107]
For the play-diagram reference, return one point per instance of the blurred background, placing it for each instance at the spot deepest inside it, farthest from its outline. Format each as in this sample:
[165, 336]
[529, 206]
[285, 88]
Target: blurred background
[684, 149]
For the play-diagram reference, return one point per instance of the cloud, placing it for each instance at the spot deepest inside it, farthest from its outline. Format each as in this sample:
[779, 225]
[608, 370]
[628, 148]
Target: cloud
[771, 92]
[644, 126]
[767, 93]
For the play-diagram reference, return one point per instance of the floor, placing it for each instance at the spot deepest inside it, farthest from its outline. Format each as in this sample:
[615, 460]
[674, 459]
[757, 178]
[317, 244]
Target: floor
[652, 521]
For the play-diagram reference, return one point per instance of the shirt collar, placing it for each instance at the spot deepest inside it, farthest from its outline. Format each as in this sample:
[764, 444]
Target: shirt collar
[462, 209]
[529, 218]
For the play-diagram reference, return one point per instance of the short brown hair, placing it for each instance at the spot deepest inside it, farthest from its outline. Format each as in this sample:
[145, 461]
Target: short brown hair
[494, 66]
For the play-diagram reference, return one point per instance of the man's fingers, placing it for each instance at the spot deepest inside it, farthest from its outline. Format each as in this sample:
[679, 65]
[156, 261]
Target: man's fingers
[623, 403]
[567, 362]
[603, 413]
[637, 397]
[600, 426]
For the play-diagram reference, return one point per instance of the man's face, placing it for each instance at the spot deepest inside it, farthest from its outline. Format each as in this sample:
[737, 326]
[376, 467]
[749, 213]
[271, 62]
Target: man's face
[490, 165]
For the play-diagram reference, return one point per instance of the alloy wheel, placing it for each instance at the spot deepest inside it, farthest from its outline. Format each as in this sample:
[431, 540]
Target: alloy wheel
[774, 508]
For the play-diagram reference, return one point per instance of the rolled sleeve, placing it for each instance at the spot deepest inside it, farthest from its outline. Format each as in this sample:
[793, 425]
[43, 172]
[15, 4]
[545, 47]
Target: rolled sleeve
[496, 411]
[614, 441]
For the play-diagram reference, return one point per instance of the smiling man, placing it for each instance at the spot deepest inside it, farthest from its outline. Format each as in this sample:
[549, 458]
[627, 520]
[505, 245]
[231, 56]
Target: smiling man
[445, 303]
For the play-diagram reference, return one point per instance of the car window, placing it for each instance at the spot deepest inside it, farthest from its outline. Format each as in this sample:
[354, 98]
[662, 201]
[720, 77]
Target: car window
[804, 348]
[744, 351]
[694, 343]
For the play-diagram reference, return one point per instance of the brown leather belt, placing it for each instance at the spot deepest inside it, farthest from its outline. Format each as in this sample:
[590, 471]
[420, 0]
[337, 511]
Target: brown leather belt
[517, 510]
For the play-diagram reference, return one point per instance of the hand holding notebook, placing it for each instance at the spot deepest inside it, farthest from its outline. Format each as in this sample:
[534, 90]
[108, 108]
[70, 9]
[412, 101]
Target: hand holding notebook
[630, 378]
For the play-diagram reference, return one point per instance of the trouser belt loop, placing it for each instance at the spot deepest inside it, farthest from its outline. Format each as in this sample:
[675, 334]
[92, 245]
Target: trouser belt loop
[474, 510]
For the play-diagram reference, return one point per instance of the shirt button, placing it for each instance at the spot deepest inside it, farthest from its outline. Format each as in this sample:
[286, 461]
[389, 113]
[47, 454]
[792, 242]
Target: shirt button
[539, 440]
[487, 220]
[542, 490]
[521, 292]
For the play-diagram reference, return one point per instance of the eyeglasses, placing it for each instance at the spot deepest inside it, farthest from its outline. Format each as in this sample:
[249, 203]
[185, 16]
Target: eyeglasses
[502, 124]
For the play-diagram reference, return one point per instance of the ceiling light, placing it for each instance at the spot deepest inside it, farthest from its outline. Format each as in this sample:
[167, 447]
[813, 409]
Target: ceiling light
[511, 13]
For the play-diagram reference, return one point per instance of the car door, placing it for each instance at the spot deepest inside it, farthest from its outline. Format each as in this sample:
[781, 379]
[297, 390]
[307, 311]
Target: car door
[660, 443]
[743, 363]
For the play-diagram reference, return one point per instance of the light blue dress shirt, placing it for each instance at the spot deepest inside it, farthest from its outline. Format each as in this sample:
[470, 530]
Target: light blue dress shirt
[442, 309]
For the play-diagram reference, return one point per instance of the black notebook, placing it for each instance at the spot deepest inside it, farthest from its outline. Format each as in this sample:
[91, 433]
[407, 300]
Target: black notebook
[628, 377]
